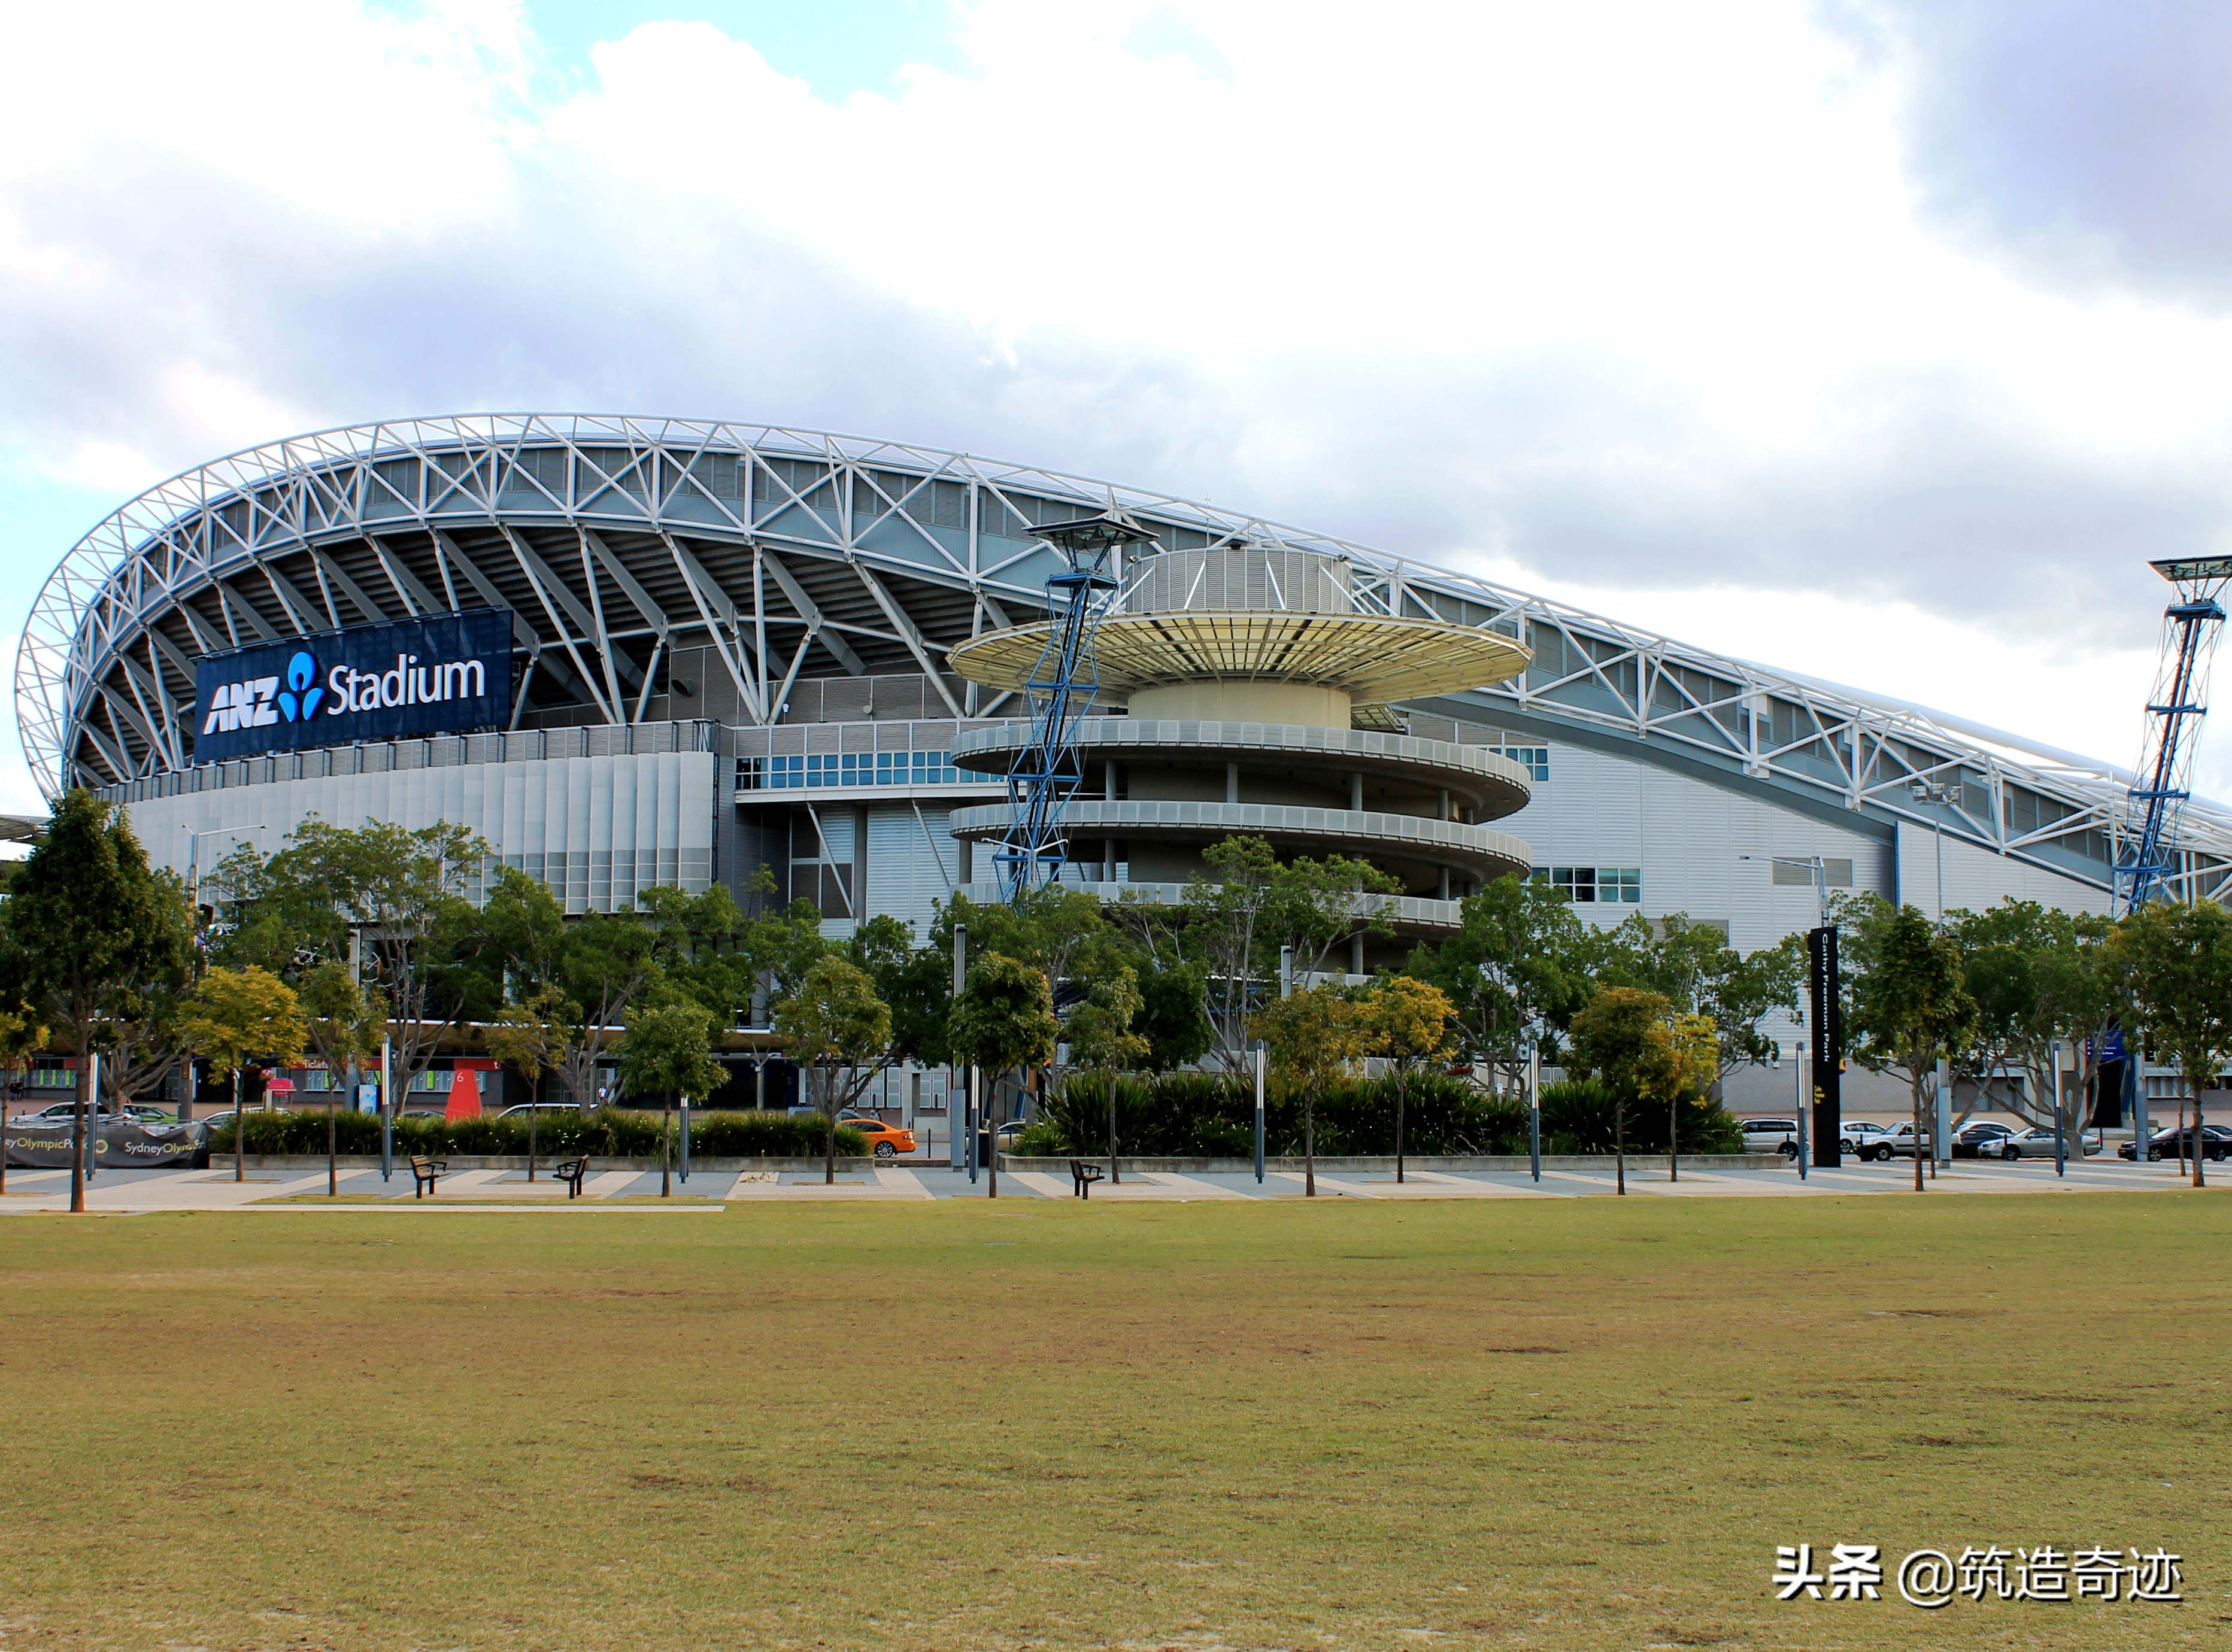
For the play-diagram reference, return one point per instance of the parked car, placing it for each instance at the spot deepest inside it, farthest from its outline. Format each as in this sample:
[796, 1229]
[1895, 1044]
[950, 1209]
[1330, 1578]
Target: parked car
[62, 1112]
[885, 1141]
[1858, 1135]
[2038, 1143]
[525, 1107]
[2216, 1144]
[1899, 1141]
[1771, 1135]
[1980, 1140]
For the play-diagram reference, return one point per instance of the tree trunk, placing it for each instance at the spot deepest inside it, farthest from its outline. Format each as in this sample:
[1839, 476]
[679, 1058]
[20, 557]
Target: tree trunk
[1310, 1145]
[1115, 1174]
[1619, 1145]
[2200, 1142]
[332, 1160]
[1399, 1129]
[1916, 1087]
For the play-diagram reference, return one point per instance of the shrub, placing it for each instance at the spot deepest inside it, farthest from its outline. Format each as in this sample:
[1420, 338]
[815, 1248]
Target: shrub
[1577, 1118]
[1208, 1115]
[608, 1132]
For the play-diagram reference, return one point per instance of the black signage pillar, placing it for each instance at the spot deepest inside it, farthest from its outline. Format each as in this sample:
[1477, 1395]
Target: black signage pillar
[1828, 1050]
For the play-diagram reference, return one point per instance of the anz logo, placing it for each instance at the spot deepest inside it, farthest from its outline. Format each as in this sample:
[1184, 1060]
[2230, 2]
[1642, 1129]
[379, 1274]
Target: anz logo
[260, 701]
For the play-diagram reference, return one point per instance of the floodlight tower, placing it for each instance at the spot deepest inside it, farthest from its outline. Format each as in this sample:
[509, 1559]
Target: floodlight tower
[2164, 777]
[1047, 769]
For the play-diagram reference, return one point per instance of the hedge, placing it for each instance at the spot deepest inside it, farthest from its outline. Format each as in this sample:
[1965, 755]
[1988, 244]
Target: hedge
[608, 1132]
[1205, 1115]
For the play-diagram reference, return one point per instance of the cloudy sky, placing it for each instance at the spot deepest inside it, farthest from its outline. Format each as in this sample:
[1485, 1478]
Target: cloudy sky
[1886, 341]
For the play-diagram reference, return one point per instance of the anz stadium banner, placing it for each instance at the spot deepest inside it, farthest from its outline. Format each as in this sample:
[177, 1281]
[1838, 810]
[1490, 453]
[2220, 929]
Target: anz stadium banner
[439, 675]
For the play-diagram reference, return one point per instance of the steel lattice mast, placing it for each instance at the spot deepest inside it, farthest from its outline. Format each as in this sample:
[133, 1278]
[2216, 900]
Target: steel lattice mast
[1063, 683]
[2162, 780]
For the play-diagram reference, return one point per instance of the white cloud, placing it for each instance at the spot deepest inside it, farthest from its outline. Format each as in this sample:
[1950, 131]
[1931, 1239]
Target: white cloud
[1642, 299]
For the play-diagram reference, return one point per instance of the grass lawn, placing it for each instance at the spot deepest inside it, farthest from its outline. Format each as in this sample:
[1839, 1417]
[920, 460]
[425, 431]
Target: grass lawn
[1580, 1423]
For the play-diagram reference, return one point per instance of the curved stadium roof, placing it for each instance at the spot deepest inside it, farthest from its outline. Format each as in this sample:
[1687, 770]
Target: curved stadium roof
[790, 553]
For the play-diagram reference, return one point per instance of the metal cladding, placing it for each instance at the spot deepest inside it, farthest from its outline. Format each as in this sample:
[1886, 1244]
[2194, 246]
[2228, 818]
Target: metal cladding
[793, 569]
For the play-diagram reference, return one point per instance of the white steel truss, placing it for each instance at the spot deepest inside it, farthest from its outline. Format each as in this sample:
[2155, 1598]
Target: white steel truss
[613, 540]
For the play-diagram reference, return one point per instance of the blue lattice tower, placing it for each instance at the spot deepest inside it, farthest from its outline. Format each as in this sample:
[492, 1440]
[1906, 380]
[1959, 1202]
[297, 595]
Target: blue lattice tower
[2162, 779]
[1047, 769]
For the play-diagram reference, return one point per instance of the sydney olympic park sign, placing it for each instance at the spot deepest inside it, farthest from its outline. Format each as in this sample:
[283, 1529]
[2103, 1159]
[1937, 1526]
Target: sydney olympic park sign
[433, 676]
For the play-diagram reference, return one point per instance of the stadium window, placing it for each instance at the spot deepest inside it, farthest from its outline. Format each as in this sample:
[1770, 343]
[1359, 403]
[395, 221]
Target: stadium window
[1594, 884]
[1535, 759]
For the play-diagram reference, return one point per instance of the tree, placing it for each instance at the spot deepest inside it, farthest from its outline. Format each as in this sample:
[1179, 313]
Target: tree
[697, 942]
[1625, 1034]
[528, 1032]
[138, 1018]
[917, 982]
[2173, 960]
[1174, 1016]
[1315, 1034]
[345, 1024]
[1250, 906]
[1001, 1021]
[599, 965]
[667, 1051]
[1695, 969]
[1910, 1004]
[1407, 1023]
[236, 1016]
[88, 925]
[2039, 976]
[1521, 959]
[835, 1023]
[1100, 1036]
[402, 890]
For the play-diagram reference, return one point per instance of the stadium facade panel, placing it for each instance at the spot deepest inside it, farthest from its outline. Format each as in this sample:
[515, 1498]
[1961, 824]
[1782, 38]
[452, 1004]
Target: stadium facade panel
[733, 645]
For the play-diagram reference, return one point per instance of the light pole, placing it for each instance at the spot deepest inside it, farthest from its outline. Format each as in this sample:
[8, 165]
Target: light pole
[1534, 1104]
[1937, 792]
[1798, 1057]
[1260, 1056]
[194, 849]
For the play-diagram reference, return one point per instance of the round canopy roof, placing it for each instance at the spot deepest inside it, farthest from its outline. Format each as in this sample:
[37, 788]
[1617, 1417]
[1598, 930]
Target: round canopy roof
[1374, 657]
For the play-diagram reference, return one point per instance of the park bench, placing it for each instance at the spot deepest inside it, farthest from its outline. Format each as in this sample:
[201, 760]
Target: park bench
[570, 1171]
[1083, 1175]
[423, 1173]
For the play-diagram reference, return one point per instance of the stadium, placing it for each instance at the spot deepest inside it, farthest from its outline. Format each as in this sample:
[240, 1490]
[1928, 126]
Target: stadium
[633, 651]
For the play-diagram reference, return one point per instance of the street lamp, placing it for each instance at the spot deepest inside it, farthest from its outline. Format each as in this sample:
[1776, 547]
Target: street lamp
[1937, 792]
[193, 852]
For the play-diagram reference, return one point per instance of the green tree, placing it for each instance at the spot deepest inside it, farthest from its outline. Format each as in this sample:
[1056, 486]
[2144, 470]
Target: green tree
[598, 966]
[2039, 976]
[1001, 1021]
[345, 1024]
[1693, 966]
[234, 1017]
[916, 982]
[1521, 959]
[2173, 960]
[530, 1034]
[834, 1024]
[667, 1051]
[1911, 1006]
[1250, 906]
[89, 929]
[1625, 1036]
[1407, 1023]
[1101, 1039]
[403, 890]
[1315, 1035]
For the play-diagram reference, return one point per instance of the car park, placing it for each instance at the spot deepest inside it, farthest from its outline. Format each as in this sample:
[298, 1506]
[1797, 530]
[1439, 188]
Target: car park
[1771, 1135]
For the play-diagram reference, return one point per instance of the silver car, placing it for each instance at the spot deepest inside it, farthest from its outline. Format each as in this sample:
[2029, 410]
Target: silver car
[2037, 1143]
[1771, 1135]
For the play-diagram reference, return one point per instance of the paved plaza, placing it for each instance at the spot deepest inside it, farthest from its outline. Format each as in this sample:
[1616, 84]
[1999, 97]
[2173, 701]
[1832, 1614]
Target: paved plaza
[123, 1192]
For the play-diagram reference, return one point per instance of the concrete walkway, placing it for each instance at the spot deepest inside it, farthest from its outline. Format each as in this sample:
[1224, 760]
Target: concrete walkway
[124, 1192]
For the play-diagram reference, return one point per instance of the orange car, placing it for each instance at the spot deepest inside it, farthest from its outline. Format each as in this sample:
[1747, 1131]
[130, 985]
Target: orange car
[885, 1141]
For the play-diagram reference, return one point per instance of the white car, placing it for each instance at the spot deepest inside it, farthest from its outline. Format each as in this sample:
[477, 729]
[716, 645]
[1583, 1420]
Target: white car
[1859, 1136]
[1771, 1135]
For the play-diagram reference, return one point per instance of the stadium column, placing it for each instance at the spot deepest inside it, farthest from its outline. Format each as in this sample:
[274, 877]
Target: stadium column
[1828, 1046]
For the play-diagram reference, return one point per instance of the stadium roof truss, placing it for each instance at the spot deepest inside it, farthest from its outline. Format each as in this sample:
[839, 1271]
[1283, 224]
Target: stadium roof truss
[613, 540]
